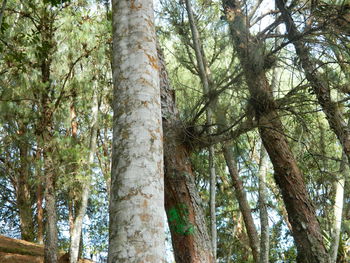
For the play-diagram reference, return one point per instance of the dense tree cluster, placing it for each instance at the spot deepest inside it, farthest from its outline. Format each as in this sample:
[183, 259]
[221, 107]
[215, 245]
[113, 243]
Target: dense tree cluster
[231, 116]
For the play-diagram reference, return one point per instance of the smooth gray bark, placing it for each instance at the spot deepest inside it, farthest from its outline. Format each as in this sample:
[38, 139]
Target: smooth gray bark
[136, 230]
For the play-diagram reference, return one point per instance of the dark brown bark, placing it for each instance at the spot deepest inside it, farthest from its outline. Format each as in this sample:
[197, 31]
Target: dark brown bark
[45, 130]
[243, 202]
[301, 213]
[24, 197]
[187, 224]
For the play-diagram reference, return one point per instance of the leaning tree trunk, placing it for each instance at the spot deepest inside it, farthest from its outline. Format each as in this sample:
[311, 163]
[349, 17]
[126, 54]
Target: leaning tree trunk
[209, 86]
[320, 87]
[301, 213]
[204, 74]
[242, 202]
[136, 230]
[189, 233]
[81, 210]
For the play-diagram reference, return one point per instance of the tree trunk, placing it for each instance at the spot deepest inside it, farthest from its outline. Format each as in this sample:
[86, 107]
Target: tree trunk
[81, 210]
[306, 229]
[136, 231]
[39, 196]
[187, 224]
[320, 87]
[51, 240]
[338, 208]
[243, 202]
[264, 218]
[40, 214]
[204, 73]
[24, 198]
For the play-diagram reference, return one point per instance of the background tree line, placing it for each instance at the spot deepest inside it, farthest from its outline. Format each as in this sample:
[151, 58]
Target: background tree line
[254, 109]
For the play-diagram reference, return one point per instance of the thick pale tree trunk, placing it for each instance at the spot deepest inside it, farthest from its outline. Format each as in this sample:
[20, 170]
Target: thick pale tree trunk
[338, 208]
[81, 210]
[204, 73]
[264, 218]
[301, 213]
[186, 220]
[242, 202]
[136, 230]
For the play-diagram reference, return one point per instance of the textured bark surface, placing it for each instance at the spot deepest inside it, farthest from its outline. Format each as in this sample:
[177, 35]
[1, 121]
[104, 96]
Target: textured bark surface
[243, 202]
[23, 195]
[45, 130]
[207, 84]
[136, 231]
[187, 224]
[301, 213]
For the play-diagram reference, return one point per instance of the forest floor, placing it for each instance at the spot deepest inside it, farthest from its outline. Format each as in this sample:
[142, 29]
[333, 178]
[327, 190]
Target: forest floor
[20, 251]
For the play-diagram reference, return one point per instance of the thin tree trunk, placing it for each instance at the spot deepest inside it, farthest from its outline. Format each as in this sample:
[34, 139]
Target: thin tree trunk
[40, 215]
[243, 202]
[204, 73]
[136, 230]
[189, 233]
[39, 196]
[205, 78]
[24, 199]
[264, 219]
[306, 229]
[51, 240]
[81, 210]
[338, 208]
